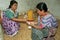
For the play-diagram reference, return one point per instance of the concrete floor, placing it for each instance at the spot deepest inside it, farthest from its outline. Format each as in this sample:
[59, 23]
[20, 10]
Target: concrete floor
[25, 34]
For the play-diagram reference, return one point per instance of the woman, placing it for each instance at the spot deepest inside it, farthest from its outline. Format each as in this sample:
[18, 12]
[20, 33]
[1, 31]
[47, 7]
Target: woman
[10, 21]
[46, 24]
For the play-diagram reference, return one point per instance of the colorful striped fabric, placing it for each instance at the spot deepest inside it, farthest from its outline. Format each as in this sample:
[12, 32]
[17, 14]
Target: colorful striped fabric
[48, 21]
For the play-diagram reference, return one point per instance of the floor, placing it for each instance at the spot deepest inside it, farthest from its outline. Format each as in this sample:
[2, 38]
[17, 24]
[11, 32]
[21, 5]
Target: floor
[25, 33]
[57, 37]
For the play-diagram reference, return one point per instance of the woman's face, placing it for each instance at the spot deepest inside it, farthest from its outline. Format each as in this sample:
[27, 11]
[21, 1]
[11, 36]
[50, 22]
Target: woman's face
[41, 13]
[14, 6]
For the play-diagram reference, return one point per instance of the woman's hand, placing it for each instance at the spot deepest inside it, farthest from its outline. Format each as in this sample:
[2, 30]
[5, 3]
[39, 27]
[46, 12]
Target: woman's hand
[34, 26]
[30, 23]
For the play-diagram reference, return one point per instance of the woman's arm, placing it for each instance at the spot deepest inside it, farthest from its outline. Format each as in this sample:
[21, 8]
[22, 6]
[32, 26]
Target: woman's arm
[19, 20]
[35, 22]
[35, 26]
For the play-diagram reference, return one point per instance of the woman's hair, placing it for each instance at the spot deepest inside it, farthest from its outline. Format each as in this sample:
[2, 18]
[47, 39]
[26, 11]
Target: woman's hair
[42, 6]
[12, 2]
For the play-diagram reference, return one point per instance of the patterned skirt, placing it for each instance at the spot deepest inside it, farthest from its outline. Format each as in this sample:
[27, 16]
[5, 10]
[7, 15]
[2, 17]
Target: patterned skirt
[44, 33]
[10, 27]
[39, 34]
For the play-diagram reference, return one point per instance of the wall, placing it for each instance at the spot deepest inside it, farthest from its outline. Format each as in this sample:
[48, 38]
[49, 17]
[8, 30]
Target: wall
[24, 5]
[54, 7]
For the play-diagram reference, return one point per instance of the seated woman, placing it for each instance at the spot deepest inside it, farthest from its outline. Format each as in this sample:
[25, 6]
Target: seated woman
[10, 22]
[46, 24]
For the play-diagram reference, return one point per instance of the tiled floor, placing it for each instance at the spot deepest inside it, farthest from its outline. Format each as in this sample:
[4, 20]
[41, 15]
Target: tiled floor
[25, 34]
